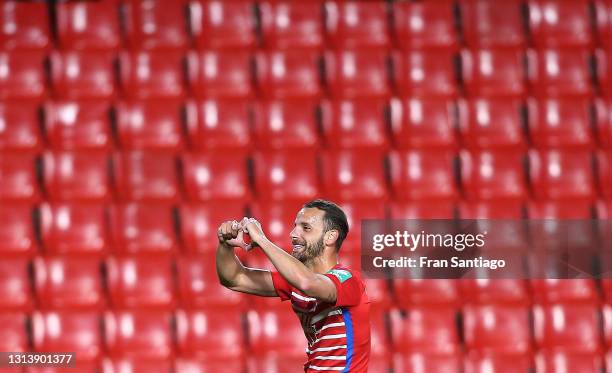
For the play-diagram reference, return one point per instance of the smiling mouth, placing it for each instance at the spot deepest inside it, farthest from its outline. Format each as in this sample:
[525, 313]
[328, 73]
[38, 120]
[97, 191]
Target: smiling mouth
[297, 247]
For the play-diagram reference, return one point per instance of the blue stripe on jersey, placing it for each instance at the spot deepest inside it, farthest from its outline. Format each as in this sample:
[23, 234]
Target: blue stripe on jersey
[348, 324]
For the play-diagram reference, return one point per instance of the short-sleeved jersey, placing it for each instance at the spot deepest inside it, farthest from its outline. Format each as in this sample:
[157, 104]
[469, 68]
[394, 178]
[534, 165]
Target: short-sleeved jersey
[338, 334]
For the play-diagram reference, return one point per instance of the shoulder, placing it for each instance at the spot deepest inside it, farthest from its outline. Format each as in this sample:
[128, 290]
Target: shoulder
[343, 273]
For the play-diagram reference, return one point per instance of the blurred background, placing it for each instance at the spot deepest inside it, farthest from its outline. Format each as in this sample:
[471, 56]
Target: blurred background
[129, 130]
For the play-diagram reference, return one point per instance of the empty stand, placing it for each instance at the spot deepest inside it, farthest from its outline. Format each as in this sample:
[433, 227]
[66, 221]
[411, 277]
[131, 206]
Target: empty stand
[17, 230]
[357, 24]
[26, 26]
[286, 175]
[499, 291]
[564, 290]
[199, 223]
[287, 25]
[19, 129]
[14, 332]
[413, 362]
[18, 181]
[424, 25]
[136, 365]
[432, 330]
[142, 334]
[221, 24]
[495, 25]
[153, 24]
[603, 13]
[88, 25]
[494, 72]
[24, 75]
[491, 209]
[220, 73]
[422, 209]
[199, 365]
[604, 173]
[275, 329]
[289, 73]
[555, 361]
[150, 74]
[15, 285]
[83, 74]
[212, 333]
[561, 72]
[564, 209]
[354, 175]
[603, 122]
[476, 362]
[425, 73]
[571, 327]
[560, 24]
[497, 328]
[78, 124]
[355, 73]
[410, 292]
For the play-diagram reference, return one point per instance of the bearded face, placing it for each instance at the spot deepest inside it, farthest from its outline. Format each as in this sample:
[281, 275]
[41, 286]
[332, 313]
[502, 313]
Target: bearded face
[304, 251]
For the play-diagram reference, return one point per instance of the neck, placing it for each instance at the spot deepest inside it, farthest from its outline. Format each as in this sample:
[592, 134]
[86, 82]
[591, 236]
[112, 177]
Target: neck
[323, 263]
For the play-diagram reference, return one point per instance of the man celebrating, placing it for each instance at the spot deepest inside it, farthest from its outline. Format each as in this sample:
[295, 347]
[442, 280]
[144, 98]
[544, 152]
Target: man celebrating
[329, 299]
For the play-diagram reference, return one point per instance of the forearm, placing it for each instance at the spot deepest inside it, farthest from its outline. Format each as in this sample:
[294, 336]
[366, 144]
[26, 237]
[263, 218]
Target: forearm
[228, 265]
[294, 271]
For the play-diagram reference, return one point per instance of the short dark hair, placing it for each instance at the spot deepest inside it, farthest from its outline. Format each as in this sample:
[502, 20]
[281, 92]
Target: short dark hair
[334, 218]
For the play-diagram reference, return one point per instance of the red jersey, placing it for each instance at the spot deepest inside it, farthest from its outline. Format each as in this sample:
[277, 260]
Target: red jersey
[338, 334]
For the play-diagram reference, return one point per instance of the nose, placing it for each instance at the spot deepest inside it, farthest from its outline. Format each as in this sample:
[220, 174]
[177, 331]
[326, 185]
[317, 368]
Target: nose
[293, 233]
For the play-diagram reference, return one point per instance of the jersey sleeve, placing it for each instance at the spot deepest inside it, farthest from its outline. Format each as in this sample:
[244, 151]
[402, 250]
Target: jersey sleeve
[282, 287]
[349, 287]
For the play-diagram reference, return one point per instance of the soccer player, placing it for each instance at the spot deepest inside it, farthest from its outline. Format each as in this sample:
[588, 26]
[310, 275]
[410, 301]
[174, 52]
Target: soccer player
[329, 299]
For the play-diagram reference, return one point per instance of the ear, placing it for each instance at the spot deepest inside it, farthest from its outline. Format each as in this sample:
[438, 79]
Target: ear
[331, 237]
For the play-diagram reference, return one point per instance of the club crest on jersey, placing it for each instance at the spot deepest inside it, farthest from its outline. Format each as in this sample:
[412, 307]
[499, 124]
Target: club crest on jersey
[341, 274]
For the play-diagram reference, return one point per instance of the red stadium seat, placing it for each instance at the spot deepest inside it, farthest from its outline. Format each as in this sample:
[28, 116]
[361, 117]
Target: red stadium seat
[357, 24]
[424, 25]
[603, 119]
[211, 333]
[146, 176]
[13, 333]
[493, 175]
[69, 283]
[87, 367]
[196, 365]
[476, 362]
[277, 219]
[379, 337]
[287, 25]
[564, 290]
[489, 25]
[378, 293]
[19, 128]
[423, 123]
[560, 24]
[286, 124]
[151, 74]
[222, 24]
[70, 330]
[491, 209]
[150, 124]
[199, 223]
[143, 229]
[78, 124]
[415, 362]
[558, 122]
[607, 323]
[559, 174]
[276, 329]
[604, 173]
[494, 72]
[140, 282]
[286, 175]
[215, 124]
[15, 285]
[17, 230]
[411, 292]
[274, 362]
[26, 26]
[24, 74]
[423, 174]
[560, 361]
[142, 334]
[422, 209]
[83, 74]
[131, 365]
[153, 24]
[425, 73]
[288, 73]
[199, 287]
[425, 329]
[18, 180]
[354, 175]
[495, 291]
[357, 73]
[573, 327]
[88, 25]
[497, 328]
[561, 72]
[220, 73]
[603, 12]
[355, 124]
[564, 209]
[492, 123]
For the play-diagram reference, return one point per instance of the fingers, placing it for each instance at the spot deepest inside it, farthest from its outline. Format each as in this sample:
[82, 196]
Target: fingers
[228, 230]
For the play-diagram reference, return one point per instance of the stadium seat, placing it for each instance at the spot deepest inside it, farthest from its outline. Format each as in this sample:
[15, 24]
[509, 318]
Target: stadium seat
[425, 73]
[603, 119]
[357, 73]
[493, 175]
[422, 209]
[215, 124]
[425, 329]
[222, 24]
[141, 282]
[355, 124]
[564, 290]
[489, 25]
[286, 175]
[491, 209]
[286, 124]
[69, 330]
[354, 175]
[573, 327]
[211, 333]
[556, 174]
[199, 287]
[15, 285]
[561, 123]
[378, 292]
[87, 367]
[146, 176]
[14, 335]
[19, 128]
[277, 219]
[276, 329]
[603, 24]
[424, 25]
[88, 25]
[564, 209]
[17, 237]
[274, 362]
[27, 75]
[199, 223]
[144, 334]
[18, 177]
[143, 229]
[151, 24]
[288, 73]
[607, 323]
[560, 24]
[423, 174]
[64, 282]
[488, 122]
[151, 74]
[604, 173]
[207, 177]
[494, 72]
[150, 124]
[495, 291]
[476, 362]
[419, 292]
[418, 361]
[208, 365]
[357, 24]
[559, 361]
[26, 26]
[379, 336]
[220, 73]
[287, 25]
[497, 328]
[83, 74]
[136, 365]
[423, 123]
[561, 72]
[78, 124]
